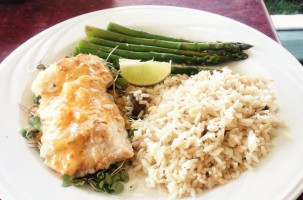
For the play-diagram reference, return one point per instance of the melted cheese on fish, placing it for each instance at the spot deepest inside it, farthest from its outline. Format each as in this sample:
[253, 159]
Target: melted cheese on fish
[83, 130]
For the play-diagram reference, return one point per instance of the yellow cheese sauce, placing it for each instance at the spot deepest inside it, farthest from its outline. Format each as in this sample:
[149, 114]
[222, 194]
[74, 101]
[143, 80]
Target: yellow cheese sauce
[75, 109]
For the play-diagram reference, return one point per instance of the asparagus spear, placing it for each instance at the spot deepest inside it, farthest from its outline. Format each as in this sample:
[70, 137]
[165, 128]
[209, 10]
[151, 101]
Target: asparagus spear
[188, 70]
[210, 59]
[117, 28]
[174, 69]
[232, 47]
[144, 48]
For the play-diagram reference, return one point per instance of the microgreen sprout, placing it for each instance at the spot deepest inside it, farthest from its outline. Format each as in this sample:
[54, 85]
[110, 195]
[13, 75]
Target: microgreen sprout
[109, 180]
[131, 133]
[29, 132]
[67, 180]
[41, 66]
[121, 83]
[37, 123]
[37, 99]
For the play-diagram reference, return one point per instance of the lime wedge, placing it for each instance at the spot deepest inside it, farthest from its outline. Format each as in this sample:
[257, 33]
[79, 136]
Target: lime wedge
[144, 73]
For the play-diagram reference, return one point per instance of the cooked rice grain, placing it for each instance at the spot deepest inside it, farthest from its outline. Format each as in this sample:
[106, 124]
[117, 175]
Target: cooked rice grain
[204, 130]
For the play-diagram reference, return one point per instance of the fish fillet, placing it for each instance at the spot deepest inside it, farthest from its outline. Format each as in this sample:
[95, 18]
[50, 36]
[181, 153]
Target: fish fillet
[83, 130]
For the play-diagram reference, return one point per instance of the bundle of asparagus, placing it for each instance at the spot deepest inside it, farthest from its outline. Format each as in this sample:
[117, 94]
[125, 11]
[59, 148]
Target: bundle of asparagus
[122, 42]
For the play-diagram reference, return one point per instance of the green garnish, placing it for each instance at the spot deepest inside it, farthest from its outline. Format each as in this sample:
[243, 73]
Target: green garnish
[118, 167]
[24, 131]
[101, 184]
[101, 175]
[29, 132]
[124, 176]
[37, 123]
[117, 187]
[79, 183]
[33, 129]
[37, 99]
[131, 133]
[121, 83]
[108, 181]
[67, 180]
[116, 177]
[94, 185]
[41, 66]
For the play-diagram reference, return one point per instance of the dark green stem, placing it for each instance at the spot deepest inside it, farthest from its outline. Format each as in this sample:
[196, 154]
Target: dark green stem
[174, 69]
[194, 46]
[117, 28]
[145, 48]
[212, 59]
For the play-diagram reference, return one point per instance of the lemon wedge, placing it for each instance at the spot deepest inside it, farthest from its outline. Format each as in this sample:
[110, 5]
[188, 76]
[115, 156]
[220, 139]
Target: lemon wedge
[144, 73]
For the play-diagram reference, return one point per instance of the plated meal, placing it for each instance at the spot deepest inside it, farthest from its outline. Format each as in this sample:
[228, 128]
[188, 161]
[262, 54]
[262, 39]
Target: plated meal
[158, 106]
[169, 147]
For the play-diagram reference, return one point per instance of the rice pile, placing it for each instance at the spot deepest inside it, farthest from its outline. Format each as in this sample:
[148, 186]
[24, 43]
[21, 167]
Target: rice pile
[203, 130]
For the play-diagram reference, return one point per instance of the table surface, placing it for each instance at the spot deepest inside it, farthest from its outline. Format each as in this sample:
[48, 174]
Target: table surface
[21, 21]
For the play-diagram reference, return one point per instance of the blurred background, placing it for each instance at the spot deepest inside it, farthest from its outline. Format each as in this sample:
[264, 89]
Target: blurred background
[287, 17]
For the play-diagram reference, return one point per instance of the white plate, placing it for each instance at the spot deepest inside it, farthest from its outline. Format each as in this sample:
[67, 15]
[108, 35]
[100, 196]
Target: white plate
[22, 172]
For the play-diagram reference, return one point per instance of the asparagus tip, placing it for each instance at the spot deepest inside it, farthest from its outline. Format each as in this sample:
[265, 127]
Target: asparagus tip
[244, 46]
